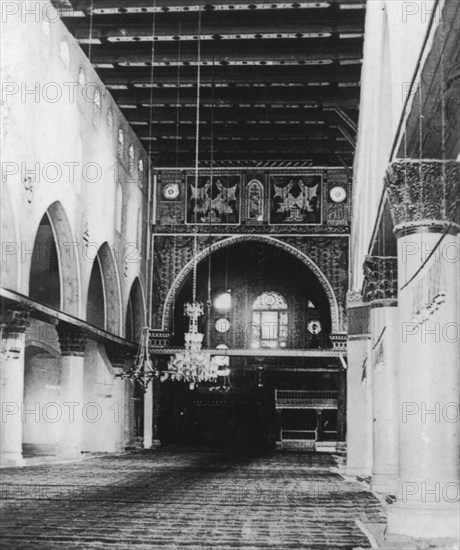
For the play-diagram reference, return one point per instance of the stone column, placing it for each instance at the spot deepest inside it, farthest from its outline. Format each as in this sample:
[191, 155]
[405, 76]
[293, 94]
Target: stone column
[339, 342]
[14, 323]
[119, 356]
[359, 398]
[424, 201]
[72, 340]
[148, 414]
[156, 396]
[342, 410]
[381, 290]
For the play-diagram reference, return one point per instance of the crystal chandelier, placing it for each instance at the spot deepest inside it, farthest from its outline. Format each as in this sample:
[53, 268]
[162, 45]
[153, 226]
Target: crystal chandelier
[192, 364]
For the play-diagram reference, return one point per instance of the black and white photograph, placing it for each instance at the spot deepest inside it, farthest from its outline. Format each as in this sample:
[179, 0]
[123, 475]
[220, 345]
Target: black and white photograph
[229, 275]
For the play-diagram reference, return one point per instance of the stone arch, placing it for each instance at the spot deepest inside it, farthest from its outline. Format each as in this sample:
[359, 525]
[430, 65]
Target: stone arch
[104, 266]
[306, 260]
[67, 257]
[11, 252]
[135, 311]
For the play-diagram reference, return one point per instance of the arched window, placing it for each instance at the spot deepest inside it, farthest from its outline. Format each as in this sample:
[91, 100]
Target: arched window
[269, 319]
[255, 202]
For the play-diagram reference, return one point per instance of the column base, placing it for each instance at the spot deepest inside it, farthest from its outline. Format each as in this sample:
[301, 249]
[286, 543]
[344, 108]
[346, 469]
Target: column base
[11, 460]
[385, 483]
[139, 443]
[424, 521]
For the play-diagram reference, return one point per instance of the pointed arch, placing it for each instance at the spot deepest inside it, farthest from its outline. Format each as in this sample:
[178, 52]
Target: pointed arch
[104, 291]
[135, 312]
[306, 260]
[10, 242]
[60, 249]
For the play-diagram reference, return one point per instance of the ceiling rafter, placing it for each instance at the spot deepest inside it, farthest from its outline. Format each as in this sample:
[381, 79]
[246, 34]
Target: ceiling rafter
[279, 81]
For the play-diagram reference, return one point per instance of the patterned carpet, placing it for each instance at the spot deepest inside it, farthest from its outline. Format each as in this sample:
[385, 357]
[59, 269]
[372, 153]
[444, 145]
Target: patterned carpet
[189, 498]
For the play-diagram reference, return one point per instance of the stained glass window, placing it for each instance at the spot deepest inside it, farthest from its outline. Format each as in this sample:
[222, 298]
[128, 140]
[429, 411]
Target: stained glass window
[270, 321]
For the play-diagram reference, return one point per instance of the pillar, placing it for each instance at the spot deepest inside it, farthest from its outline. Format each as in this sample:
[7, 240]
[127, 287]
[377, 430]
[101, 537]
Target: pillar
[14, 322]
[342, 410]
[339, 342]
[72, 340]
[359, 398]
[156, 397]
[381, 294]
[120, 357]
[148, 414]
[424, 197]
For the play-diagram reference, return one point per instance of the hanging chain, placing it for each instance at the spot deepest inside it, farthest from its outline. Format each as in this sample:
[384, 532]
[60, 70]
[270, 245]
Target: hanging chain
[443, 125]
[152, 60]
[197, 150]
[91, 15]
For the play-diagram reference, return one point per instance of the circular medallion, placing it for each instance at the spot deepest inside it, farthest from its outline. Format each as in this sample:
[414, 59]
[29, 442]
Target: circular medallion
[222, 325]
[171, 191]
[314, 326]
[338, 194]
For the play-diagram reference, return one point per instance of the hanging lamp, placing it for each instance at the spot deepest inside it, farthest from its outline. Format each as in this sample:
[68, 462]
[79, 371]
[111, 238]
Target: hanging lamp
[193, 365]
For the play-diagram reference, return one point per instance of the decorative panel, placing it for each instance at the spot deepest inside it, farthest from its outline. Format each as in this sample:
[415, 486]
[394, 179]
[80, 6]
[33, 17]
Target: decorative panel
[265, 201]
[295, 198]
[171, 197]
[213, 199]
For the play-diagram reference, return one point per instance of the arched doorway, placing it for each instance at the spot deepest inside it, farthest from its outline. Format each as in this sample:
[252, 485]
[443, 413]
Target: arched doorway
[278, 303]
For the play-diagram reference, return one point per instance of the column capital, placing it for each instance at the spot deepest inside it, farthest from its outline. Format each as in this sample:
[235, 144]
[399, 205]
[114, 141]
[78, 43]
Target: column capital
[424, 194]
[380, 278]
[354, 298]
[14, 319]
[72, 339]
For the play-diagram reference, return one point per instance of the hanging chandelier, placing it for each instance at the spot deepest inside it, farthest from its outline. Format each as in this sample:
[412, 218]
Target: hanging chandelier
[192, 365]
[143, 369]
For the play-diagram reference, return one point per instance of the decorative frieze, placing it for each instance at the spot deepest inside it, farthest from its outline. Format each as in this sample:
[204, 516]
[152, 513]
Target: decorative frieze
[381, 278]
[13, 324]
[159, 338]
[423, 193]
[354, 298]
[72, 339]
[339, 341]
[14, 320]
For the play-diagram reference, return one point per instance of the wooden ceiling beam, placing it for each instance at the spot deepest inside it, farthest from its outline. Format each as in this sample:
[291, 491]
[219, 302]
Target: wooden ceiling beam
[239, 130]
[172, 77]
[109, 7]
[226, 115]
[259, 55]
[241, 96]
[316, 159]
[294, 30]
[256, 145]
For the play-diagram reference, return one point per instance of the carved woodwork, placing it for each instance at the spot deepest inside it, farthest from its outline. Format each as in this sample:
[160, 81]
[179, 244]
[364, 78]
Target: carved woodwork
[381, 278]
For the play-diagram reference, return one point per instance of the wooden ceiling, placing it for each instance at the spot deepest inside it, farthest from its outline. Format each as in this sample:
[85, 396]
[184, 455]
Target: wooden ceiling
[279, 81]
